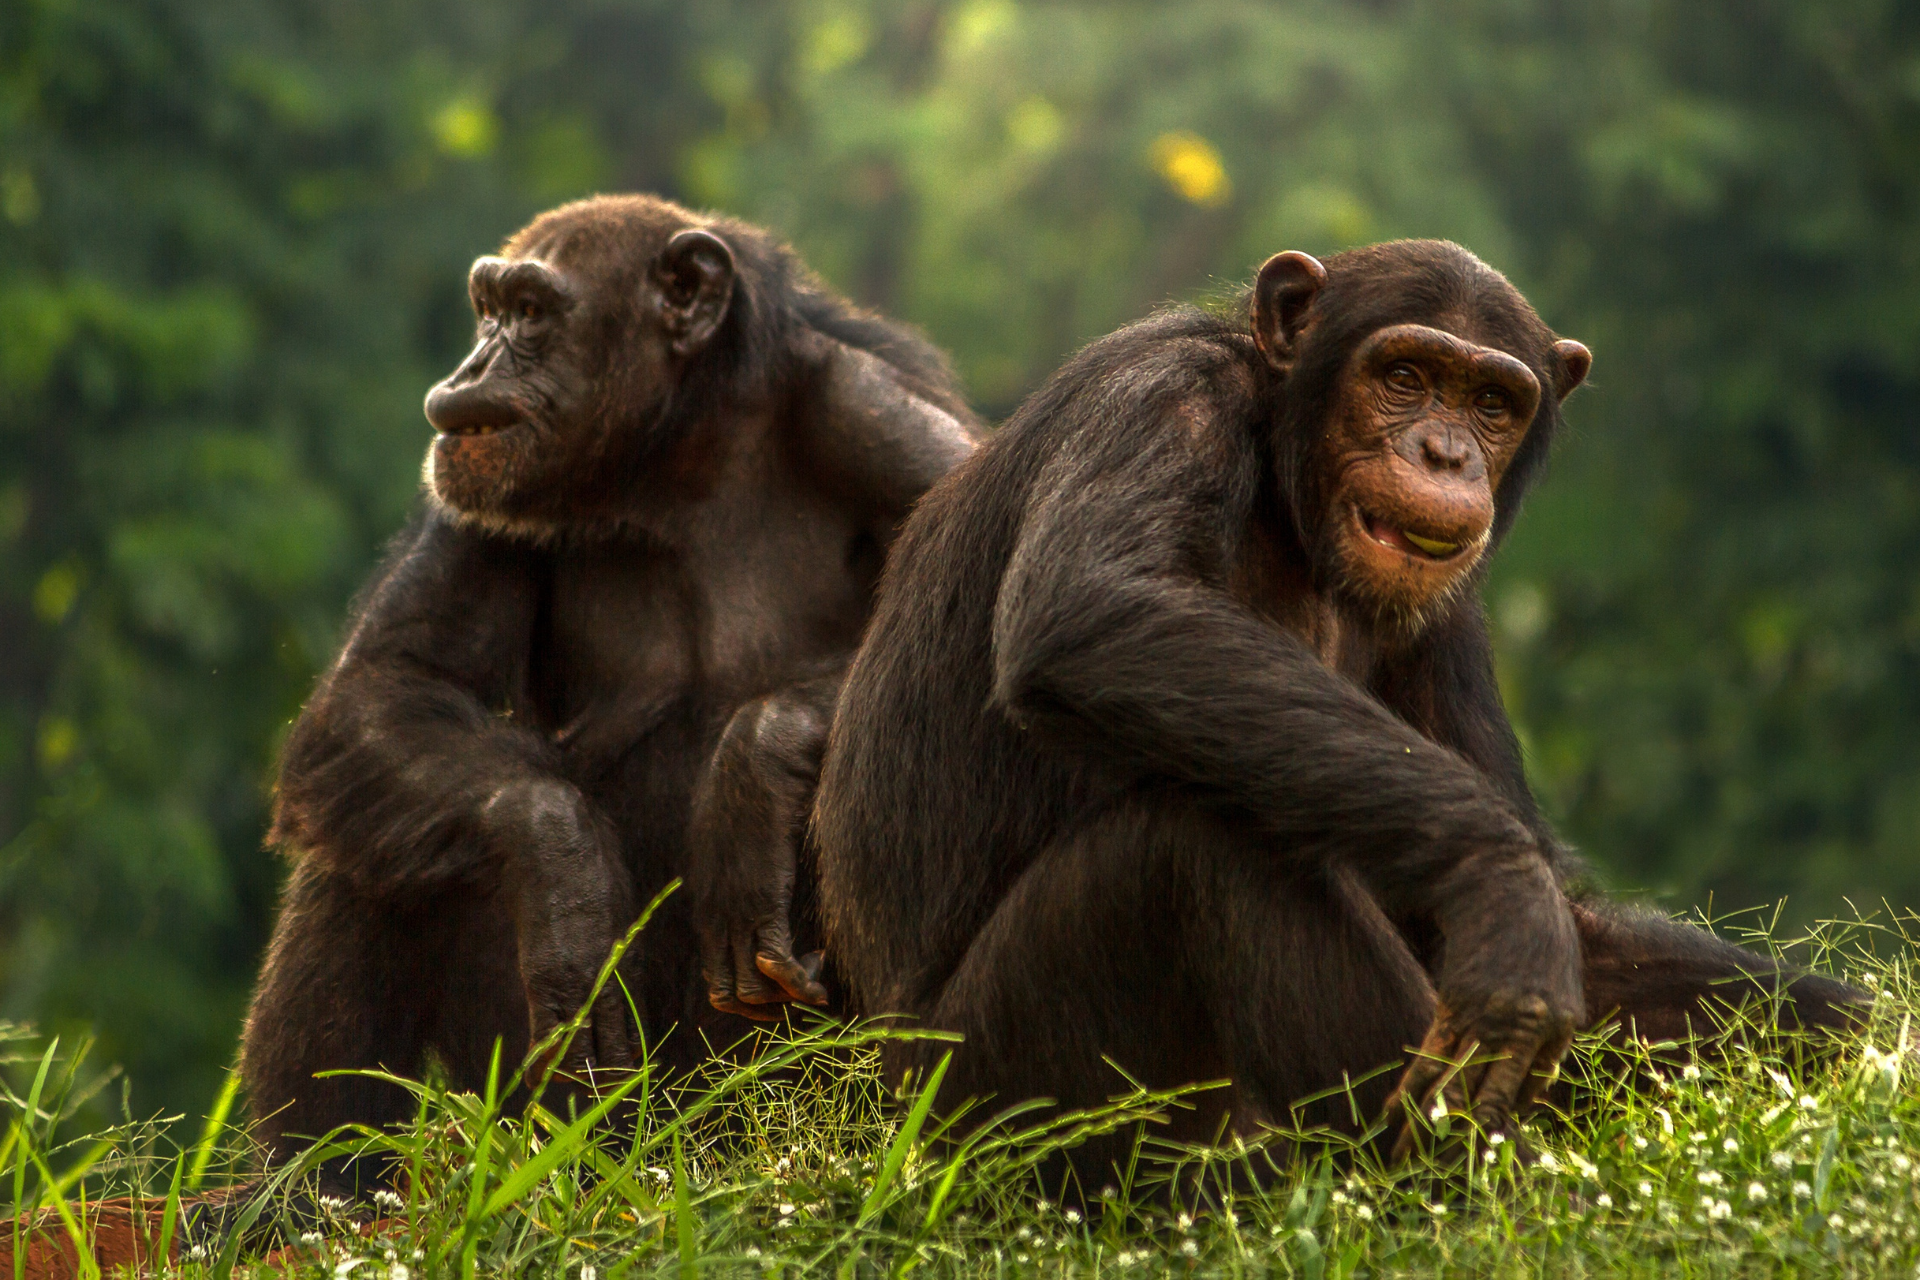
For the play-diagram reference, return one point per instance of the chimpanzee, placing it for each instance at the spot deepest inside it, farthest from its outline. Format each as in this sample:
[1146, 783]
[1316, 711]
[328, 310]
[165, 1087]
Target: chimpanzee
[660, 492]
[1175, 739]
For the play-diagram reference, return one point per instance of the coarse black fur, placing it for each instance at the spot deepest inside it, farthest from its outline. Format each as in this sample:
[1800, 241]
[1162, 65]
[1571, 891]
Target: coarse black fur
[1123, 771]
[602, 658]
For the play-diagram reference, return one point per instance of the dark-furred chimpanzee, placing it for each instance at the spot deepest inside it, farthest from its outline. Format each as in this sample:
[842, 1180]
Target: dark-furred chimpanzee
[1175, 738]
[661, 490]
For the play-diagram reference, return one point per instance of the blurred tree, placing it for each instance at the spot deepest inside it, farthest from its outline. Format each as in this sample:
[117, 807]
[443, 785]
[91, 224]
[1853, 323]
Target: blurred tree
[231, 260]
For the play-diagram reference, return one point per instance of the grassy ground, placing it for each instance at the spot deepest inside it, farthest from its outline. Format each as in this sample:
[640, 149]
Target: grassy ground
[1770, 1161]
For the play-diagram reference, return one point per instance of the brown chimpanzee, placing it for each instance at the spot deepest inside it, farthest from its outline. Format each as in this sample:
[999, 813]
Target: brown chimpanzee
[1175, 738]
[661, 490]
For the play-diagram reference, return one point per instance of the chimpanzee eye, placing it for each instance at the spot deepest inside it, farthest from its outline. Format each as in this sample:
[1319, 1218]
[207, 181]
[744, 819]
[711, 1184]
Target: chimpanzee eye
[529, 311]
[1492, 400]
[1404, 376]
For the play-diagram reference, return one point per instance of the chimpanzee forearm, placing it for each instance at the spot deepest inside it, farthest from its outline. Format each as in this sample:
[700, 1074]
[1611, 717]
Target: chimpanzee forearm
[749, 813]
[399, 774]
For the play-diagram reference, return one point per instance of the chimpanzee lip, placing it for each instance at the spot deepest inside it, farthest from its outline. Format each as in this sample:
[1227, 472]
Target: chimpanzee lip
[1415, 545]
[484, 429]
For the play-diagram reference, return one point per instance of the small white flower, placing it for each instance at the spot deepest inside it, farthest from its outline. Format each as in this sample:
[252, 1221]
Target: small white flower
[1801, 1191]
[1720, 1210]
[660, 1175]
[1439, 1111]
[1109, 1191]
[753, 1251]
[1339, 1197]
[1024, 1233]
[1645, 1188]
[1437, 1209]
[1901, 1164]
[1489, 1155]
[1837, 1222]
[1756, 1191]
[786, 1210]
[1697, 1137]
[1495, 1139]
[1072, 1216]
[388, 1199]
[345, 1267]
[1710, 1178]
[333, 1202]
[398, 1271]
[1190, 1247]
[1363, 1212]
[1603, 1201]
[1730, 1146]
[589, 1272]
[309, 1237]
[1780, 1160]
[1043, 1205]
[200, 1251]
[1021, 1257]
[1639, 1143]
[1808, 1102]
[1184, 1222]
[1690, 1072]
[1548, 1163]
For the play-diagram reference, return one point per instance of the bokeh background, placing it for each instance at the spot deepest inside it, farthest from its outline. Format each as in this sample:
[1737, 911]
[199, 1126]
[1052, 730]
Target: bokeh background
[233, 243]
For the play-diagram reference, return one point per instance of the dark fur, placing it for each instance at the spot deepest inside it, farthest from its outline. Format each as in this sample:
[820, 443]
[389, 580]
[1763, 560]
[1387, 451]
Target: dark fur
[1092, 790]
[500, 768]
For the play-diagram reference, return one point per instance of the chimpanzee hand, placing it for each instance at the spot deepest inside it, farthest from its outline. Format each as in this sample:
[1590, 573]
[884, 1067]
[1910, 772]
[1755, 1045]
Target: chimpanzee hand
[1509, 1004]
[573, 900]
[749, 812]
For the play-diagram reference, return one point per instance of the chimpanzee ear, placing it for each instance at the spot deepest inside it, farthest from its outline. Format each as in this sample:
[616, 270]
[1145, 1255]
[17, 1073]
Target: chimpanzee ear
[1281, 294]
[695, 277]
[1575, 361]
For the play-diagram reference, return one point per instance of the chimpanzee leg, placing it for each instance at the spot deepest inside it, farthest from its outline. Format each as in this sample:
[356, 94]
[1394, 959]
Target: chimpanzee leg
[1664, 980]
[1172, 942]
[353, 981]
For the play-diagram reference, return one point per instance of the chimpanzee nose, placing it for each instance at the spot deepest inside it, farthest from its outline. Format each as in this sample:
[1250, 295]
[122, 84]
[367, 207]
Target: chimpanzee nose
[1444, 451]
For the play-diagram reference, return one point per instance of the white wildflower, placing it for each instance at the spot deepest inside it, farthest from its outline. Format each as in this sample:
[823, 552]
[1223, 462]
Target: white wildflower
[1756, 1191]
[1780, 1160]
[1489, 1155]
[1043, 1205]
[1339, 1197]
[1639, 1143]
[388, 1199]
[660, 1175]
[1837, 1222]
[310, 1237]
[589, 1272]
[786, 1210]
[1437, 1209]
[200, 1251]
[1808, 1102]
[1645, 1188]
[1439, 1111]
[1495, 1139]
[1901, 1164]
[1190, 1247]
[1184, 1222]
[1548, 1163]
[1363, 1212]
[1720, 1210]
[1730, 1146]
[1710, 1178]
[398, 1271]
[1072, 1216]
[1603, 1201]
[1690, 1072]
[1801, 1191]
[345, 1267]
[333, 1203]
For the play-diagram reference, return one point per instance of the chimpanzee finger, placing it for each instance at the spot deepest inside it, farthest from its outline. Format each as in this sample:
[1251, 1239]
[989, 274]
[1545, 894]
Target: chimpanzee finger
[1497, 1100]
[717, 968]
[793, 977]
[1546, 1066]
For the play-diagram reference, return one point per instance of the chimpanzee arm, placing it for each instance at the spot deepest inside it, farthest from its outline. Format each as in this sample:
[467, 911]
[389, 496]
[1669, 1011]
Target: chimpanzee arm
[749, 816]
[873, 435]
[405, 775]
[1114, 628]
[1662, 978]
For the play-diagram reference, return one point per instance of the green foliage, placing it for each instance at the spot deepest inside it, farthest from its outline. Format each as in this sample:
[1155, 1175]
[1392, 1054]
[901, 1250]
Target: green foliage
[1798, 1156]
[231, 256]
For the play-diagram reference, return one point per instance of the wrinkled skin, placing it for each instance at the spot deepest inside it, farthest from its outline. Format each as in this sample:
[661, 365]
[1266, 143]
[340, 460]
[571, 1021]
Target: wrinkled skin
[660, 489]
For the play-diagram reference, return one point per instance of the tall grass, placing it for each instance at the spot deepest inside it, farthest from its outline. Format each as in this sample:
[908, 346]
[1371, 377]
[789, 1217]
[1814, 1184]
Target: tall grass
[1769, 1159]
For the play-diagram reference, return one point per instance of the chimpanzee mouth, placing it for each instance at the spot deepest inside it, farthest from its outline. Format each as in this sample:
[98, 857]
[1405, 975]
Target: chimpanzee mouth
[1406, 541]
[483, 428]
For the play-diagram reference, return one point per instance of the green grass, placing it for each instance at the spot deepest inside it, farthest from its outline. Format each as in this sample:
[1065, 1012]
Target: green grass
[1769, 1161]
